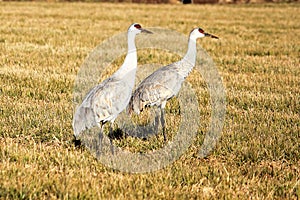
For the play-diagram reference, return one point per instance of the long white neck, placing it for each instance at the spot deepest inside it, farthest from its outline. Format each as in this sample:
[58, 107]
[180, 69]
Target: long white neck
[130, 63]
[191, 53]
[189, 60]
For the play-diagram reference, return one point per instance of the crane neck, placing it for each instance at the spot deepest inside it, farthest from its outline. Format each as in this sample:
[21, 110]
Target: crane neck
[189, 60]
[131, 57]
[131, 41]
[191, 53]
[129, 66]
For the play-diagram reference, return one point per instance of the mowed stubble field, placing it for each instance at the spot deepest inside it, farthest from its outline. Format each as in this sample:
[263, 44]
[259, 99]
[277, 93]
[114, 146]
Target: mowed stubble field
[42, 46]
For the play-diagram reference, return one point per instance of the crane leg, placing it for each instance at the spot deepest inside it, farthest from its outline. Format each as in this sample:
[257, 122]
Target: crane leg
[157, 116]
[110, 138]
[162, 119]
[99, 145]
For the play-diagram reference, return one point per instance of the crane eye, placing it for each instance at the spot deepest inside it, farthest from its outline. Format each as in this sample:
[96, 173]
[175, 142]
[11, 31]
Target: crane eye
[201, 30]
[137, 26]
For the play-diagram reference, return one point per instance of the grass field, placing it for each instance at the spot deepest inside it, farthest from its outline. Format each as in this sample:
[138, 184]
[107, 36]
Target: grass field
[42, 46]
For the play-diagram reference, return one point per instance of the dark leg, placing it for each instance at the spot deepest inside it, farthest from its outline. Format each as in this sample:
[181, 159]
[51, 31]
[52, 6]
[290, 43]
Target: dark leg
[156, 122]
[162, 119]
[110, 138]
[99, 145]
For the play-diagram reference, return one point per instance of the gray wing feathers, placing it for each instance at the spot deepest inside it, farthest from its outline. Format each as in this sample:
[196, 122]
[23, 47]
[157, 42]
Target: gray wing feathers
[160, 86]
[103, 103]
[83, 119]
[108, 103]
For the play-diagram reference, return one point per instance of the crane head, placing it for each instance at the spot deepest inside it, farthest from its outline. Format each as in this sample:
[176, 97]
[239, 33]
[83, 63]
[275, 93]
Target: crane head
[200, 33]
[137, 28]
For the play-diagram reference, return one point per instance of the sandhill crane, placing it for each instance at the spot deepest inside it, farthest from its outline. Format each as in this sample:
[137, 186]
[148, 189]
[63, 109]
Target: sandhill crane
[165, 83]
[107, 100]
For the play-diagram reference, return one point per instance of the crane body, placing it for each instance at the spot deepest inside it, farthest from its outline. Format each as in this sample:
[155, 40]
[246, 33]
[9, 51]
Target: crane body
[165, 83]
[104, 102]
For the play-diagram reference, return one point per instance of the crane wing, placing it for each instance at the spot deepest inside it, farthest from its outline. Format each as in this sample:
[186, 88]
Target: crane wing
[160, 86]
[103, 103]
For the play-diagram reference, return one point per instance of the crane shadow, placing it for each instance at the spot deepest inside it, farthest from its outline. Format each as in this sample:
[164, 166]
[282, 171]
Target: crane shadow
[140, 132]
[117, 134]
[141, 126]
[143, 132]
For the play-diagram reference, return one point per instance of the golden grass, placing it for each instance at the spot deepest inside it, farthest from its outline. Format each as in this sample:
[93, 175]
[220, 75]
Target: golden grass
[42, 47]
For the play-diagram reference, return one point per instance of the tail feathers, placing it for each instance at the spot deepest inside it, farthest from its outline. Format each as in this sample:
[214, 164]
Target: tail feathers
[133, 106]
[83, 119]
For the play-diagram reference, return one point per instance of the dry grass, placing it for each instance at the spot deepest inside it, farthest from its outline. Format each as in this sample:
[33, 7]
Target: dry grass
[42, 46]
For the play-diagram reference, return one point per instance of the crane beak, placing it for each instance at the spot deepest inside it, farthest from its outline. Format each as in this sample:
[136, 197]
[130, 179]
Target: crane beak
[145, 31]
[210, 35]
